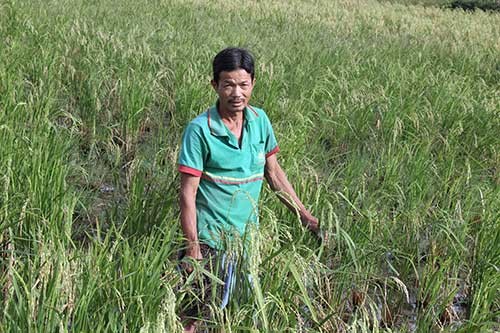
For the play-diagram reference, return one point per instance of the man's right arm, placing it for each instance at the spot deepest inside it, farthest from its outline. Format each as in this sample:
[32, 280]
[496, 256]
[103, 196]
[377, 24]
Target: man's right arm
[189, 187]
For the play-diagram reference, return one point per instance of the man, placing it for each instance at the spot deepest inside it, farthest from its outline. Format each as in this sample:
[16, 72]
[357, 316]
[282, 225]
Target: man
[226, 153]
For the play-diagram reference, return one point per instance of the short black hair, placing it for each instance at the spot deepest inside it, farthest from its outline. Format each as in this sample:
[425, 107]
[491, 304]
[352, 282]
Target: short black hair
[233, 58]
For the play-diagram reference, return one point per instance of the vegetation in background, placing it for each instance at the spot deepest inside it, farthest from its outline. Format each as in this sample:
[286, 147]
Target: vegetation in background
[387, 117]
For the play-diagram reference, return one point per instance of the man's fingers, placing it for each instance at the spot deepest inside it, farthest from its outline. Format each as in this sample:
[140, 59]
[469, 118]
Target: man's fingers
[320, 233]
[310, 222]
[188, 262]
[186, 267]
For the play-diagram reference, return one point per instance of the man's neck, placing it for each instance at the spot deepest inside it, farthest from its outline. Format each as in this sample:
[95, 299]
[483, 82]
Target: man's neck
[231, 118]
[233, 121]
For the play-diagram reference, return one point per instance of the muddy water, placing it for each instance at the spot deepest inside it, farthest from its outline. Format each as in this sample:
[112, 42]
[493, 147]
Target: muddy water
[453, 317]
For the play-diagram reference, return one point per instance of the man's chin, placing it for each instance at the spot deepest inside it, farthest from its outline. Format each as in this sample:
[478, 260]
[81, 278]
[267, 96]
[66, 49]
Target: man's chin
[236, 109]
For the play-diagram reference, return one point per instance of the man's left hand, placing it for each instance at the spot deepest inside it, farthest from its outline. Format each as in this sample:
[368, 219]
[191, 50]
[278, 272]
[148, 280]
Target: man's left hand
[312, 223]
[309, 221]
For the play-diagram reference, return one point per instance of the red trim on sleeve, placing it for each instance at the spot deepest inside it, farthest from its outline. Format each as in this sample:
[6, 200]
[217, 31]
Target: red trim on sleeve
[189, 171]
[274, 151]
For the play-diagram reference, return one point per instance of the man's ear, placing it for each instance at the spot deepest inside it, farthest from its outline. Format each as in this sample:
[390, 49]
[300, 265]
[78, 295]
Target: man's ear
[214, 84]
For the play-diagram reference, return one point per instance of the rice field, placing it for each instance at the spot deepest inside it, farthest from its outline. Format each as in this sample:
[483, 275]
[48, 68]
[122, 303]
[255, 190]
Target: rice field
[388, 119]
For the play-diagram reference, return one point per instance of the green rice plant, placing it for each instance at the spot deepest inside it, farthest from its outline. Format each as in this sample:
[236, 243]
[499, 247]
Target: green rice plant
[484, 275]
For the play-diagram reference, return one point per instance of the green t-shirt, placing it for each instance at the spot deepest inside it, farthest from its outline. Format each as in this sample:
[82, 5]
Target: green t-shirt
[231, 175]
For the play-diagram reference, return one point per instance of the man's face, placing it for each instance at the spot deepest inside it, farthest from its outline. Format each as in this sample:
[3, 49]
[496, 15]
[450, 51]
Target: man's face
[234, 89]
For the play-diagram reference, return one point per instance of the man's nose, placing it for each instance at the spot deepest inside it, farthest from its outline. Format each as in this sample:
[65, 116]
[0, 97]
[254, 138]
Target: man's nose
[236, 91]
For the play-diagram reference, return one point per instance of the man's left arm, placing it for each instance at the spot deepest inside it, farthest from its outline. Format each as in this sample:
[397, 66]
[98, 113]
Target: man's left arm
[278, 181]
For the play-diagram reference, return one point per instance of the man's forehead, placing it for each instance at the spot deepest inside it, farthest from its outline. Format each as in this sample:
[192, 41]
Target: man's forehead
[236, 80]
[235, 76]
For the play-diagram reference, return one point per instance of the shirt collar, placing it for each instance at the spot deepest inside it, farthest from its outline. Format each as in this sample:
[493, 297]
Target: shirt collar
[250, 113]
[216, 125]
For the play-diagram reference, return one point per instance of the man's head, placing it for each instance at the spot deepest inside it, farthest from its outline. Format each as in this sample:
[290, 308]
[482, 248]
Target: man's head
[233, 80]
[231, 59]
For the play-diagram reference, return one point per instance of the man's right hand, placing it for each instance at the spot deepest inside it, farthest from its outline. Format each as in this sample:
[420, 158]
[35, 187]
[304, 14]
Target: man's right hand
[193, 251]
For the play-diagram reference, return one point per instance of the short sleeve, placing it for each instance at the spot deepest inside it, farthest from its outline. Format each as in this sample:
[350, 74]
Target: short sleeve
[193, 151]
[271, 146]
